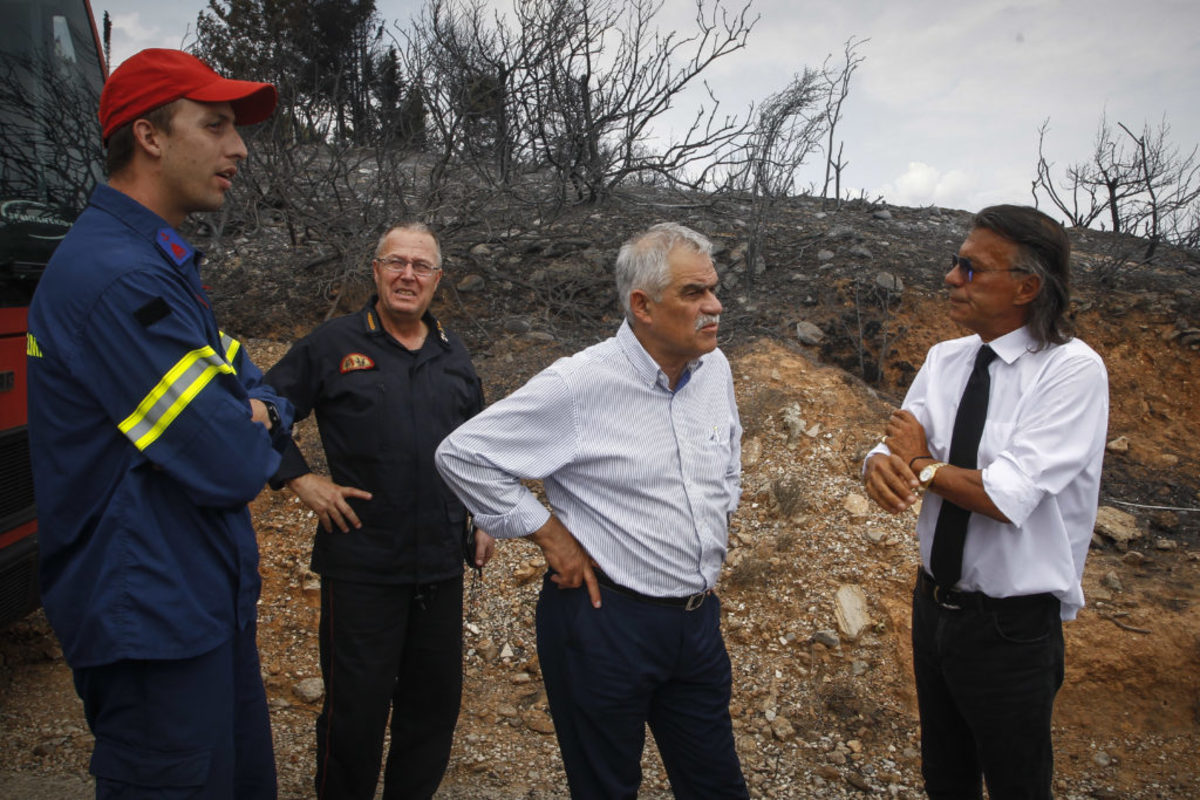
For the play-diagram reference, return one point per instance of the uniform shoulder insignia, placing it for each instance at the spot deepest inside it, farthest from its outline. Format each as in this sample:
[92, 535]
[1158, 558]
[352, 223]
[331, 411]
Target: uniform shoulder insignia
[356, 361]
[173, 245]
[152, 312]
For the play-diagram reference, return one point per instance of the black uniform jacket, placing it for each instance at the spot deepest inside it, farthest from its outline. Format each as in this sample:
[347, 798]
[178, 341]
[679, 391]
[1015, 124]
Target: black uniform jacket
[382, 411]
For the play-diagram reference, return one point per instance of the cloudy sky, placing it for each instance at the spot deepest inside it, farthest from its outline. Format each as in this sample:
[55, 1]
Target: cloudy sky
[945, 109]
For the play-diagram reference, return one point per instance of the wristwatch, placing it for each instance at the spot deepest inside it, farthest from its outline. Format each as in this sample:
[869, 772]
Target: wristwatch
[925, 476]
[273, 416]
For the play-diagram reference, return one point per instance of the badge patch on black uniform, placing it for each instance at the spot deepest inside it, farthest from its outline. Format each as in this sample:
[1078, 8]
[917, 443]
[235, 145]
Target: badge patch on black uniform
[355, 362]
[152, 312]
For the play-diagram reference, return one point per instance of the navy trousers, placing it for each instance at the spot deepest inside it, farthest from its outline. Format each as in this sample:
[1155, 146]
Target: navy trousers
[610, 671]
[384, 647]
[194, 728]
[986, 682]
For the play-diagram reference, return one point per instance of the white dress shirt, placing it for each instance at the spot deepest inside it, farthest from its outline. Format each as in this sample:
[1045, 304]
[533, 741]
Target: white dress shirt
[643, 477]
[1041, 454]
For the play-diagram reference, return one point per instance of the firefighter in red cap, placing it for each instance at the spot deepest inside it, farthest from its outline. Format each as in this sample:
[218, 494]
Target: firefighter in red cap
[150, 431]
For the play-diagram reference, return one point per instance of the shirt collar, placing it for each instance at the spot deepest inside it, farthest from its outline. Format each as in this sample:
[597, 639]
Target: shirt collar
[145, 222]
[1014, 344]
[372, 326]
[643, 363]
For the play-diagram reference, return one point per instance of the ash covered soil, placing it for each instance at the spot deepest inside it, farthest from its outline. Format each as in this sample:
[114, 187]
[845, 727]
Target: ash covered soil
[818, 713]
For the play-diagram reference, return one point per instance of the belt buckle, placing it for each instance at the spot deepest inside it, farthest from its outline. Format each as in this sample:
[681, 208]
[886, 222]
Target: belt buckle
[695, 601]
[937, 598]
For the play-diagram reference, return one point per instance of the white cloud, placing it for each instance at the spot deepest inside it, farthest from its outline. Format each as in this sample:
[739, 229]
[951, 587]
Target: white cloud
[923, 185]
[131, 27]
[133, 31]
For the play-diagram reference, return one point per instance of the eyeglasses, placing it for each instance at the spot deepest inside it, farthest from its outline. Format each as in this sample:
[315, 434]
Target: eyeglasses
[964, 263]
[422, 269]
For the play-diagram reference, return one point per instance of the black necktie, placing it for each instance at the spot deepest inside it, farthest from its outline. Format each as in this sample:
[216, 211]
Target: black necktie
[951, 531]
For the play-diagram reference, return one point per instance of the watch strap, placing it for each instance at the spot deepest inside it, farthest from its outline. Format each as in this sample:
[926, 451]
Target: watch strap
[273, 415]
[932, 470]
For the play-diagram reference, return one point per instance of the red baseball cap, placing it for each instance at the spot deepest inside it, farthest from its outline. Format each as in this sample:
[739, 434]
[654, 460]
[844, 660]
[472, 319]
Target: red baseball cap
[155, 77]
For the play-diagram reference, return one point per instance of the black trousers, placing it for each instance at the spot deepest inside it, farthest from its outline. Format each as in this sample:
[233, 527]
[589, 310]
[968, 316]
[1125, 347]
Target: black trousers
[610, 671]
[396, 647]
[986, 677]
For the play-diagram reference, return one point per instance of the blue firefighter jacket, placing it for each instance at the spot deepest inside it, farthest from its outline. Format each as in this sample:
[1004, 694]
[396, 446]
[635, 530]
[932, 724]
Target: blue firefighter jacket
[144, 452]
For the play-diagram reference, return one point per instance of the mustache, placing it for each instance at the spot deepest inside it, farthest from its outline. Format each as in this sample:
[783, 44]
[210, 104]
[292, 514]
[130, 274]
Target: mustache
[707, 319]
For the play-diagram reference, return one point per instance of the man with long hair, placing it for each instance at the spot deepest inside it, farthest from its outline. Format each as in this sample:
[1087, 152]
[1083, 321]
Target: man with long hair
[1004, 432]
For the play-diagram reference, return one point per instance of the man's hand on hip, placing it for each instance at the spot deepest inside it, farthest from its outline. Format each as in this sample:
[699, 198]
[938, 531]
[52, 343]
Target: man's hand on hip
[328, 500]
[567, 558]
[485, 547]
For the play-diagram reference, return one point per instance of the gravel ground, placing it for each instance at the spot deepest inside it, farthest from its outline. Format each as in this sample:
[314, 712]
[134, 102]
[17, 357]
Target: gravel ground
[817, 713]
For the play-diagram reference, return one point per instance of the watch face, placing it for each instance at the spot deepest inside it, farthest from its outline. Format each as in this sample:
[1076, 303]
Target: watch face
[926, 474]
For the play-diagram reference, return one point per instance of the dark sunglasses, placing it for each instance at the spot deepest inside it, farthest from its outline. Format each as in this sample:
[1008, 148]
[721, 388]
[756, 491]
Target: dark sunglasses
[964, 263]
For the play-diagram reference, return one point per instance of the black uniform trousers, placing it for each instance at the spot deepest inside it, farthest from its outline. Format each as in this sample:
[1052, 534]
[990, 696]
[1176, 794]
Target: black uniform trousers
[987, 673]
[396, 646]
[195, 728]
[611, 670]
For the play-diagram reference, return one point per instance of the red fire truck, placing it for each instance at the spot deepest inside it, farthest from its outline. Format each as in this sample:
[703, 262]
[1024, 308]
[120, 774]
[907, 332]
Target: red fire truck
[51, 72]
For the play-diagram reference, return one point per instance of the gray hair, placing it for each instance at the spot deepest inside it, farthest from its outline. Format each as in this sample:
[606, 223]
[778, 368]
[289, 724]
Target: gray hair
[411, 227]
[642, 263]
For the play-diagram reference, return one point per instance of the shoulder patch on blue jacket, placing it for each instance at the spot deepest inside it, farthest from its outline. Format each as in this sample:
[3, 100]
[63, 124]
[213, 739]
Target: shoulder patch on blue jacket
[173, 245]
[152, 312]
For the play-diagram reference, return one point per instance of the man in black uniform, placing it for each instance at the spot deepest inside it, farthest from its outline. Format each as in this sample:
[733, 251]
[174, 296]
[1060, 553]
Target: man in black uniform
[387, 385]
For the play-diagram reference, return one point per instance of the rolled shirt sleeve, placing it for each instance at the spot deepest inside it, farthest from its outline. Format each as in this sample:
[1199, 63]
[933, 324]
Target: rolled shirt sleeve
[643, 475]
[528, 435]
[1054, 440]
[1040, 455]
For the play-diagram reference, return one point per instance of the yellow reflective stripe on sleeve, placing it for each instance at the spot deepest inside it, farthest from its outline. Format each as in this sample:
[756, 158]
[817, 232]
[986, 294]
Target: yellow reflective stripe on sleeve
[231, 346]
[31, 346]
[171, 396]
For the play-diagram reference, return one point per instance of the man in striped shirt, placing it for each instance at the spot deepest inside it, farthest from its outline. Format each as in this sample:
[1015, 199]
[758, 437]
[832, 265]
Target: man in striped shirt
[637, 440]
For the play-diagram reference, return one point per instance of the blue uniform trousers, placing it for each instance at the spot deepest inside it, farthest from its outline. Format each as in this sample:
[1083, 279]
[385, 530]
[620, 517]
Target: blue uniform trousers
[195, 728]
[610, 671]
[986, 681]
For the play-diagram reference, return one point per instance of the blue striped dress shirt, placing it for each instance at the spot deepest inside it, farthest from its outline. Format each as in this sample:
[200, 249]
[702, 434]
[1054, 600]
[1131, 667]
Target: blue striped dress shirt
[643, 477]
